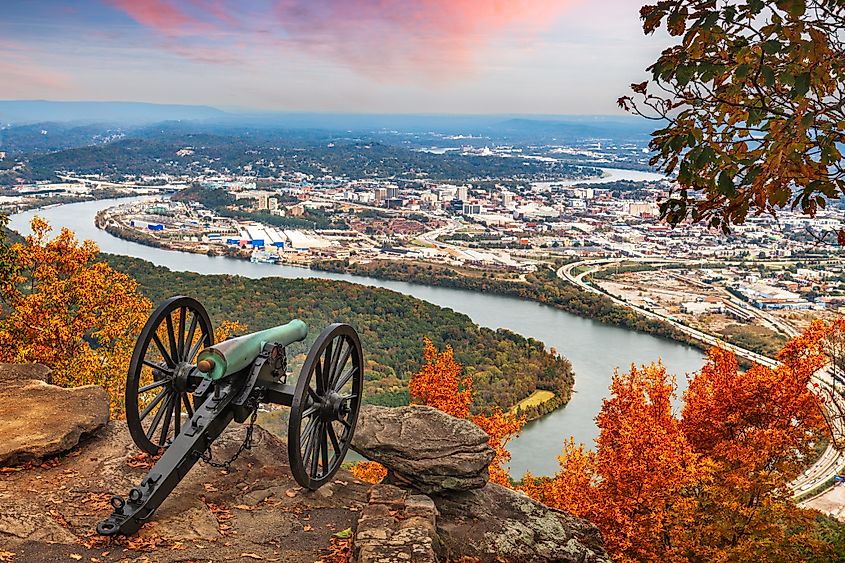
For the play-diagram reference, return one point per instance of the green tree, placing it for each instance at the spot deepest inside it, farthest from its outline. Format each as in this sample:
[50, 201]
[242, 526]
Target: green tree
[752, 98]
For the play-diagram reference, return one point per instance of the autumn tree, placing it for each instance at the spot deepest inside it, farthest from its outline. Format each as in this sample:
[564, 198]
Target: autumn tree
[440, 384]
[64, 308]
[751, 100]
[634, 487]
[712, 484]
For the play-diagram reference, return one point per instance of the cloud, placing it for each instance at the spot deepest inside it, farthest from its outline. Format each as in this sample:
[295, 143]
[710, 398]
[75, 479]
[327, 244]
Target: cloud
[435, 37]
[21, 72]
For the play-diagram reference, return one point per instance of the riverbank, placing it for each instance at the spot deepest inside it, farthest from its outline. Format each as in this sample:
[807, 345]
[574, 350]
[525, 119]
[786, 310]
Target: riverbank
[542, 286]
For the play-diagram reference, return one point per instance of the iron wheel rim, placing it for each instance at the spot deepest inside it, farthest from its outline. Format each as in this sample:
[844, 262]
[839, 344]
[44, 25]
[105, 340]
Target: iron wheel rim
[325, 406]
[157, 388]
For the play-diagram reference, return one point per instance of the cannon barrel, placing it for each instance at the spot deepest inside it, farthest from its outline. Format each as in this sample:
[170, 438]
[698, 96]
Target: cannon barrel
[238, 353]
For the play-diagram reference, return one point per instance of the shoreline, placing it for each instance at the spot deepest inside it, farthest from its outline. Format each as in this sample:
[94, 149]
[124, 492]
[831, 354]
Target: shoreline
[616, 316]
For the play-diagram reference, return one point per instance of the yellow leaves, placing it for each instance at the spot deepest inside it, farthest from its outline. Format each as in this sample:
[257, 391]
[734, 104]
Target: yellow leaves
[369, 471]
[70, 312]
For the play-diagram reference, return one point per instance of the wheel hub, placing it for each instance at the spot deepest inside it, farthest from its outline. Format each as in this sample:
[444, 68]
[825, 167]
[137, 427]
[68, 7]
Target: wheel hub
[180, 376]
[333, 407]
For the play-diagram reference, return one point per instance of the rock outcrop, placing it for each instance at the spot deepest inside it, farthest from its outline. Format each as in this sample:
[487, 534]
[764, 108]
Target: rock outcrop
[39, 420]
[429, 451]
[498, 524]
[424, 448]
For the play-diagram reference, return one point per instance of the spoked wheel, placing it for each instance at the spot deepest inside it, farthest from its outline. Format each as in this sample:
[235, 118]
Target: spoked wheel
[158, 383]
[325, 406]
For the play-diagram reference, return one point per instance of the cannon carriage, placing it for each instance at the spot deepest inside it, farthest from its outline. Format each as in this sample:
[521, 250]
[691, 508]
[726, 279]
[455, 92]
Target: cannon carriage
[183, 390]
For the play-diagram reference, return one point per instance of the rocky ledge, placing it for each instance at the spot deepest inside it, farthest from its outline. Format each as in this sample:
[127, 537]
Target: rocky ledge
[255, 511]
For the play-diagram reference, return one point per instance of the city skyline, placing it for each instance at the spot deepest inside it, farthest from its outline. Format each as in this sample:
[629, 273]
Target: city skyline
[527, 57]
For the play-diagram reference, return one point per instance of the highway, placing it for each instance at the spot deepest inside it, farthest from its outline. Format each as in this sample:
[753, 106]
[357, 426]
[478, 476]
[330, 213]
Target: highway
[829, 463]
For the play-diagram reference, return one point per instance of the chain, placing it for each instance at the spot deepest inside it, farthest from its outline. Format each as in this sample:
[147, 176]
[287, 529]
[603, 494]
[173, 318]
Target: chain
[246, 445]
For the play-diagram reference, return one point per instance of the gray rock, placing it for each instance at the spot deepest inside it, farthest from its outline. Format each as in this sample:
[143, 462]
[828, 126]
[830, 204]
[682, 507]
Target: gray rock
[39, 420]
[424, 448]
[496, 524]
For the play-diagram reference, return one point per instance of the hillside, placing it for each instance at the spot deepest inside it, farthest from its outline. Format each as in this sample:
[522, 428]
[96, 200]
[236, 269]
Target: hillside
[505, 367]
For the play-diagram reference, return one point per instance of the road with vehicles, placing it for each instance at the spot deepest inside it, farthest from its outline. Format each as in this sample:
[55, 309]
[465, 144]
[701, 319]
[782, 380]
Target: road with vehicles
[827, 465]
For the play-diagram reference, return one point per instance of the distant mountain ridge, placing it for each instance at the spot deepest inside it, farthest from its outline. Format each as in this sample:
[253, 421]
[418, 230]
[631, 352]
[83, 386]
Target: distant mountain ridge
[20, 112]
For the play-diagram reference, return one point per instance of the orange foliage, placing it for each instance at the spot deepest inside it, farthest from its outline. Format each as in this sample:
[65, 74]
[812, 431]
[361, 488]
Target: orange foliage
[369, 471]
[70, 312]
[439, 384]
[712, 484]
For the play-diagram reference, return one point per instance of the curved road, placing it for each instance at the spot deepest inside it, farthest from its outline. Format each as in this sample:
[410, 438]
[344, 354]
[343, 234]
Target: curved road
[828, 464]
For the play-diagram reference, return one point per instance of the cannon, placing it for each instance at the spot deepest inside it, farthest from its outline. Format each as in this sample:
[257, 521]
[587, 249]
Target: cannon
[183, 390]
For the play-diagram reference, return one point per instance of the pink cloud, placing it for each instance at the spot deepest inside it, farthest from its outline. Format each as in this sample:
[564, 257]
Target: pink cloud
[21, 72]
[437, 37]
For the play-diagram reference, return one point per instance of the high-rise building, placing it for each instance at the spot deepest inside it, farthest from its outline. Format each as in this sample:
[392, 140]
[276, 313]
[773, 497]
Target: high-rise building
[507, 198]
[263, 201]
[380, 195]
[392, 192]
[462, 193]
[273, 203]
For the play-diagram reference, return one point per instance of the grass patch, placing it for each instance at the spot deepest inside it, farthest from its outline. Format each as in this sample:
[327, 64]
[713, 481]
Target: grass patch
[535, 399]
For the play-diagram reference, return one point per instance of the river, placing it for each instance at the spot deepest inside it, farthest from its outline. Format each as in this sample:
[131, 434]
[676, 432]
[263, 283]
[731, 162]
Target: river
[594, 349]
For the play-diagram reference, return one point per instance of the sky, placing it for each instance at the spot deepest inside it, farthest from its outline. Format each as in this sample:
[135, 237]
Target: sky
[351, 56]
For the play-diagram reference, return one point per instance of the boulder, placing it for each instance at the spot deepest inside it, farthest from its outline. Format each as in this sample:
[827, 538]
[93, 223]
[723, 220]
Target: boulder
[498, 524]
[424, 448]
[39, 420]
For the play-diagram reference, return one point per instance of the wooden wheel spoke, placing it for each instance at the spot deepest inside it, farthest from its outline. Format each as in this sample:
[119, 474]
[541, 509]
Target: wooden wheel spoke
[333, 438]
[171, 337]
[165, 428]
[189, 338]
[177, 415]
[345, 423]
[163, 352]
[188, 408]
[195, 348]
[339, 368]
[153, 404]
[314, 457]
[155, 365]
[344, 379]
[318, 375]
[157, 417]
[324, 448]
[180, 340]
[153, 385]
[311, 410]
[317, 398]
[335, 356]
[306, 436]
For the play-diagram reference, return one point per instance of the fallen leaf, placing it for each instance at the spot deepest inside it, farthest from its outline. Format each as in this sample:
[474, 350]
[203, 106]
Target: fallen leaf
[307, 528]
[7, 555]
[75, 556]
[291, 493]
[344, 534]
[251, 555]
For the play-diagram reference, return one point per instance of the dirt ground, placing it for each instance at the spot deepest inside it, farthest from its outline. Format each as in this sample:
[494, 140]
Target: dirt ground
[254, 512]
